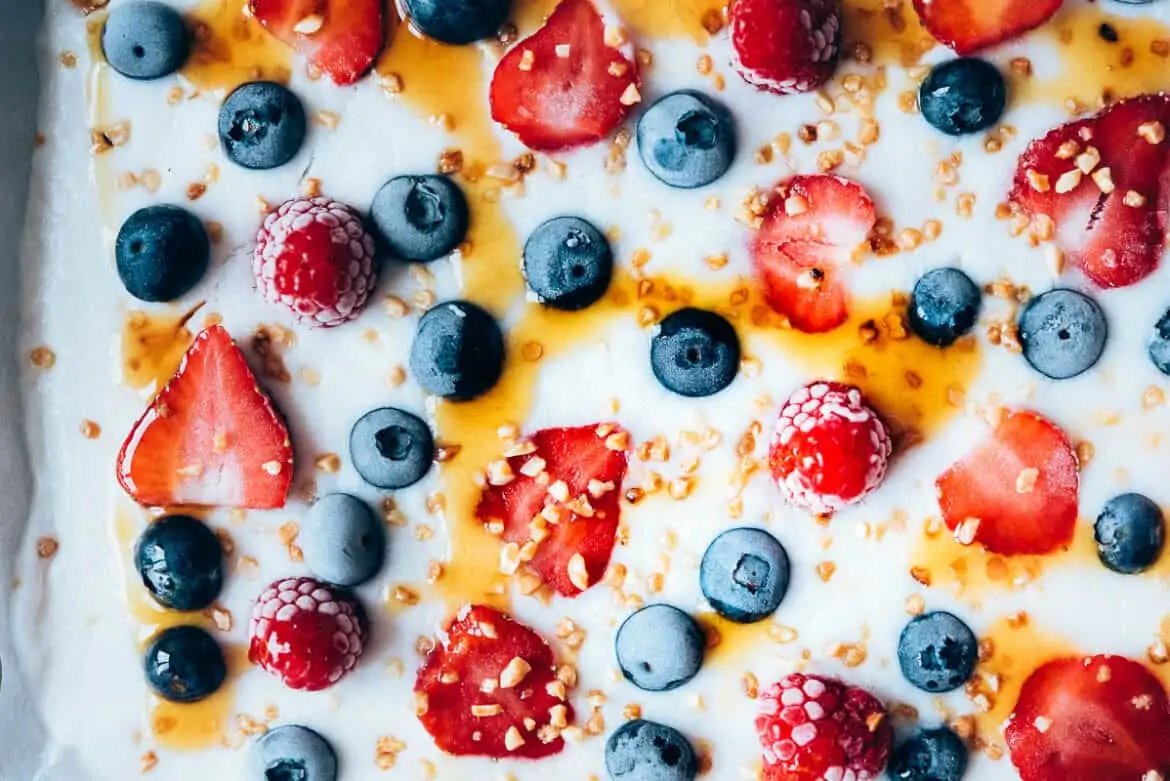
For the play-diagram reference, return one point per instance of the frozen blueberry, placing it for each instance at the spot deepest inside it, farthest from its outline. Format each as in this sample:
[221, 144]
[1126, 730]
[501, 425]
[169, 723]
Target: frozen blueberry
[458, 351]
[937, 652]
[568, 263]
[1063, 333]
[262, 125]
[391, 448]
[694, 352]
[145, 40]
[184, 664]
[343, 543]
[1160, 344]
[641, 750]
[943, 306]
[963, 96]
[420, 218]
[744, 574]
[161, 253]
[930, 755]
[687, 139]
[180, 561]
[1130, 533]
[659, 648]
[292, 753]
[458, 21]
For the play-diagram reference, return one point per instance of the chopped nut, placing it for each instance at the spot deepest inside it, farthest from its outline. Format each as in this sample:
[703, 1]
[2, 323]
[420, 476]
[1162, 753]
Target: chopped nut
[631, 96]
[1132, 198]
[43, 357]
[1103, 178]
[1068, 181]
[578, 574]
[1153, 132]
[1026, 480]
[514, 673]
[1037, 180]
[47, 547]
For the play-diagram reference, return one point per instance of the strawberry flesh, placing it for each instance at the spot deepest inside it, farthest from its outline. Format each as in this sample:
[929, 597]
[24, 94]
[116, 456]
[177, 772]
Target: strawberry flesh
[342, 38]
[785, 46]
[968, 26]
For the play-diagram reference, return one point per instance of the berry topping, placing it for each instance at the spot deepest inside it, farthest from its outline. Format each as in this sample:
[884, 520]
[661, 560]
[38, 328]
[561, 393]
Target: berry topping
[744, 575]
[814, 728]
[968, 26]
[1063, 333]
[1130, 533]
[420, 218]
[1100, 188]
[570, 83]
[314, 257]
[181, 562]
[943, 306]
[184, 664]
[489, 688]
[1159, 347]
[292, 753]
[687, 139]
[694, 352]
[829, 449]
[457, 21]
[641, 750]
[262, 125]
[391, 448]
[930, 755]
[937, 652]
[785, 46]
[458, 351]
[210, 437]
[343, 543]
[145, 40]
[659, 648]
[1016, 493]
[963, 96]
[556, 504]
[306, 633]
[161, 252]
[1097, 718]
[811, 230]
[568, 263]
[342, 38]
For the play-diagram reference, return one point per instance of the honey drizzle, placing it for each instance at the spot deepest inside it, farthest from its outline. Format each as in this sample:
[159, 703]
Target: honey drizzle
[694, 19]
[153, 345]
[230, 47]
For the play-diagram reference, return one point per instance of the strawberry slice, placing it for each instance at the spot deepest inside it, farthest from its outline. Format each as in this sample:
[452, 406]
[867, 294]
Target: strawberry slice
[210, 437]
[810, 232]
[968, 26]
[570, 83]
[490, 688]
[1017, 492]
[558, 503]
[341, 37]
[1100, 718]
[785, 46]
[1105, 183]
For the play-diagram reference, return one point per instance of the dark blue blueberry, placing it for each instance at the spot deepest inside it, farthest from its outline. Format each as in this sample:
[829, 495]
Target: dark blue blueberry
[937, 652]
[568, 263]
[1130, 533]
[641, 750]
[457, 21]
[343, 542]
[161, 252]
[659, 648]
[391, 448]
[458, 351]
[694, 352]
[184, 664]
[145, 40]
[687, 139]
[420, 218]
[262, 125]
[943, 306]
[292, 753]
[963, 96]
[931, 755]
[744, 574]
[1160, 344]
[1063, 333]
[181, 562]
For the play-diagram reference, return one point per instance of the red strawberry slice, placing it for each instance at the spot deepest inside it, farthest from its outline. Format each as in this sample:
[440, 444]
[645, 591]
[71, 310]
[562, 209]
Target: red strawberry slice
[489, 688]
[570, 83]
[341, 37]
[1105, 182]
[785, 46]
[968, 26]
[813, 226]
[1100, 718]
[210, 437]
[558, 500]
[1017, 492]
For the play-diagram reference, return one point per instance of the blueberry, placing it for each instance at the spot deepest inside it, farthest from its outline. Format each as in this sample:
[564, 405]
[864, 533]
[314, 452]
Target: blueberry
[391, 448]
[292, 753]
[963, 96]
[458, 21]
[145, 40]
[161, 252]
[687, 139]
[1063, 333]
[694, 353]
[943, 306]
[1160, 344]
[458, 351]
[420, 218]
[181, 562]
[744, 574]
[930, 755]
[659, 648]
[262, 125]
[937, 652]
[1130, 532]
[343, 543]
[568, 263]
[184, 664]
[641, 750]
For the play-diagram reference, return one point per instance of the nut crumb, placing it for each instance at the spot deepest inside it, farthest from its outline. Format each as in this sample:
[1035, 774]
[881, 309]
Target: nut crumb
[47, 547]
